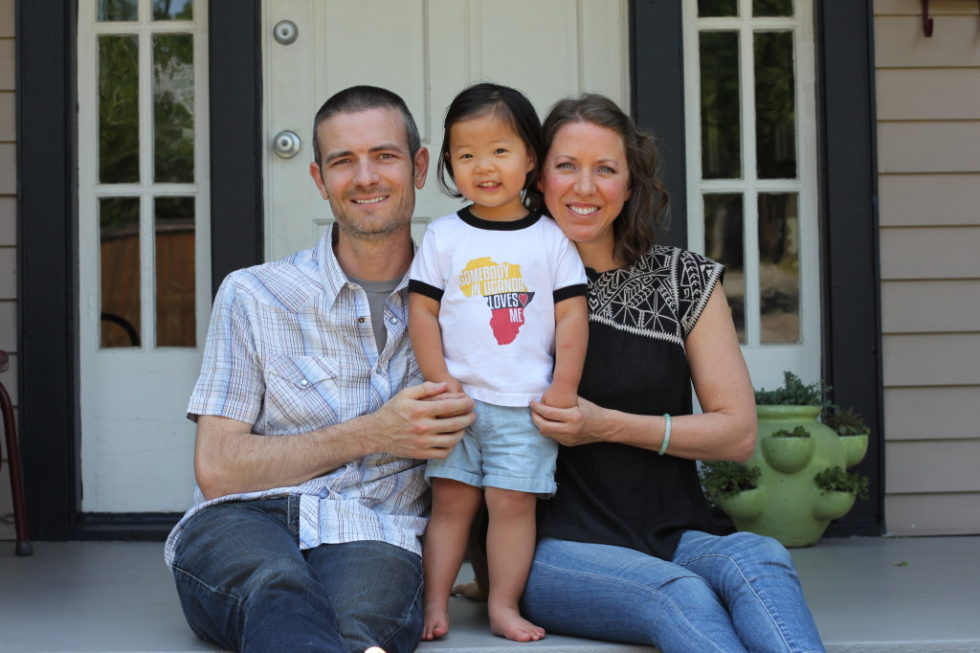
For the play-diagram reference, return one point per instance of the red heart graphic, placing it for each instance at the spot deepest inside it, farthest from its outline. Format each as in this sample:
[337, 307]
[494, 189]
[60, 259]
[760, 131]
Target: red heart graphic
[522, 298]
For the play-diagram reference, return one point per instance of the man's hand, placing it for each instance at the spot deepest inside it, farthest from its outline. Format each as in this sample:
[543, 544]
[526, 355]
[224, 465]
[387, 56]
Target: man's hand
[423, 421]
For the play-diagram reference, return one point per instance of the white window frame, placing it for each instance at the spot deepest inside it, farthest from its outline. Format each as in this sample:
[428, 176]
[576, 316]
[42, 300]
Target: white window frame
[90, 190]
[766, 361]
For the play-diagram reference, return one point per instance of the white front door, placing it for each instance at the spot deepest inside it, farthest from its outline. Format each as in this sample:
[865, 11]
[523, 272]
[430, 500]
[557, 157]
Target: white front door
[426, 51]
[144, 266]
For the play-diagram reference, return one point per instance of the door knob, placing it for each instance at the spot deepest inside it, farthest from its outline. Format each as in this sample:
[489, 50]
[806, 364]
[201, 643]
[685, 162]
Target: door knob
[286, 144]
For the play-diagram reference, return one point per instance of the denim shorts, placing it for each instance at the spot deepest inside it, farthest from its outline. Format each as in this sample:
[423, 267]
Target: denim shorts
[501, 449]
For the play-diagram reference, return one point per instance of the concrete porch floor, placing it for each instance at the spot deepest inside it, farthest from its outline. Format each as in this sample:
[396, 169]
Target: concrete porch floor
[867, 594]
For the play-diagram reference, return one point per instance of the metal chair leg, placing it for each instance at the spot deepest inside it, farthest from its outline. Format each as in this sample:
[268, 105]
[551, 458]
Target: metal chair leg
[24, 546]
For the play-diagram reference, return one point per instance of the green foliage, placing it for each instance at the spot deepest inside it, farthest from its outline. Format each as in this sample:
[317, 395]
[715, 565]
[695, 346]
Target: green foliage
[798, 432]
[837, 479]
[844, 421]
[793, 393]
[725, 479]
[118, 109]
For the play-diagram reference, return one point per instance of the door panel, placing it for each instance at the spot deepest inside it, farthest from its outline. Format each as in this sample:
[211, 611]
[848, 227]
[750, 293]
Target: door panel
[144, 248]
[426, 51]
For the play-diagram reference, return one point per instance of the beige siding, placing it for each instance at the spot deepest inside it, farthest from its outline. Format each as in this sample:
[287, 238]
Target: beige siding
[929, 94]
[911, 200]
[943, 513]
[930, 252]
[912, 413]
[928, 99]
[8, 229]
[929, 306]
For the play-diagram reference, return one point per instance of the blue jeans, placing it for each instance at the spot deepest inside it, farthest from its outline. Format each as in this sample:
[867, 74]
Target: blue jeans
[244, 584]
[725, 594]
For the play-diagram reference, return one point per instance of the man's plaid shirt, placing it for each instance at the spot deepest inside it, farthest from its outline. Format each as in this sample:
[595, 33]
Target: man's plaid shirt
[290, 349]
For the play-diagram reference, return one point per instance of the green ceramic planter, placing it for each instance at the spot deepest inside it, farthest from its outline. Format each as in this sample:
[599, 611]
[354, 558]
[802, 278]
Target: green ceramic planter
[746, 505]
[788, 455]
[855, 447]
[832, 505]
[791, 513]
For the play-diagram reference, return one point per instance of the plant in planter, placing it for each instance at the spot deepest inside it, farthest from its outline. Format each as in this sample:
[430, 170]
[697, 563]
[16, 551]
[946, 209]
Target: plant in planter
[793, 393]
[851, 429]
[788, 461]
[838, 490]
[837, 479]
[733, 487]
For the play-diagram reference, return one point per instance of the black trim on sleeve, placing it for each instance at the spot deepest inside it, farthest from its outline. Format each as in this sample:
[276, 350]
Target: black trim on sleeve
[422, 288]
[493, 225]
[578, 290]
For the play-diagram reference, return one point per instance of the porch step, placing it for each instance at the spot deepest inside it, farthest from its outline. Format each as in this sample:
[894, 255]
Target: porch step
[868, 595]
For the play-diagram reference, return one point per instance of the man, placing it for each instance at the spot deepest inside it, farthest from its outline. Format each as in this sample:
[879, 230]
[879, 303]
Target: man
[311, 424]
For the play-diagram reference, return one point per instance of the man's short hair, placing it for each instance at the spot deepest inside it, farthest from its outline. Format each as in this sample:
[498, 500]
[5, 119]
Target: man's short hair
[362, 98]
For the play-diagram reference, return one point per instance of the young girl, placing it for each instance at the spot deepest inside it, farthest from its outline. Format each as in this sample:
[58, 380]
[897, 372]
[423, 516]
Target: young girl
[497, 310]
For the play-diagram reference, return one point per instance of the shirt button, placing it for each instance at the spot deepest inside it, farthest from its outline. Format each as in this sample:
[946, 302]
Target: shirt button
[394, 320]
[323, 493]
[360, 320]
[304, 382]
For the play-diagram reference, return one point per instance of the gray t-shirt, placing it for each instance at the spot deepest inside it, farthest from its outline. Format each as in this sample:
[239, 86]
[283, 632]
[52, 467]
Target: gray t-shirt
[377, 293]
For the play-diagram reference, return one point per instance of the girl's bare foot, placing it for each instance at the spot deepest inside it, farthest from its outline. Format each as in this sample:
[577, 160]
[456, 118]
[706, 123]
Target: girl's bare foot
[471, 591]
[508, 622]
[435, 624]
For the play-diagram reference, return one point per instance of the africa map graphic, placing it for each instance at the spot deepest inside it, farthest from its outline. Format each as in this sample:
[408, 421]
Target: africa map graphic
[506, 294]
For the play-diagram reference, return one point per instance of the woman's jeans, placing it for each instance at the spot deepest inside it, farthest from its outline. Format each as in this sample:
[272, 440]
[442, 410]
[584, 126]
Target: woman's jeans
[244, 583]
[724, 594]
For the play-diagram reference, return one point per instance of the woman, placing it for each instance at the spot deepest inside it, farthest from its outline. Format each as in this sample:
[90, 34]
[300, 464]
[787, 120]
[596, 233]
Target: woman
[626, 549]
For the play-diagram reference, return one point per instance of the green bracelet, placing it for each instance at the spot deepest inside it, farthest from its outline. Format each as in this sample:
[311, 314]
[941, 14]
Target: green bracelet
[666, 442]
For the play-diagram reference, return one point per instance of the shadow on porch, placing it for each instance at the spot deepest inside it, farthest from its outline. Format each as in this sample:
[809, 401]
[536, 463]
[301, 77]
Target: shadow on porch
[867, 594]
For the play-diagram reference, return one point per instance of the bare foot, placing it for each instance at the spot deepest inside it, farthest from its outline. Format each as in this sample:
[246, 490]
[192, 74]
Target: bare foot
[471, 591]
[436, 621]
[508, 622]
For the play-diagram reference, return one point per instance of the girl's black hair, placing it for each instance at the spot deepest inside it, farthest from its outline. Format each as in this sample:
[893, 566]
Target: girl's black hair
[509, 104]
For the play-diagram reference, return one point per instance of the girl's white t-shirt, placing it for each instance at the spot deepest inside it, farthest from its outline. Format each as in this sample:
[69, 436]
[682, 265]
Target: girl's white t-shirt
[497, 284]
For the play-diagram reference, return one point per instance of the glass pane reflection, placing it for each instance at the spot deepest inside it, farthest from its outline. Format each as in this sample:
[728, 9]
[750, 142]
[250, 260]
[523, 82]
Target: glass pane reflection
[721, 136]
[724, 241]
[118, 109]
[119, 252]
[772, 7]
[775, 105]
[779, 267]
[174, 246]
[173, 107]
[113, 10]
[708, 8]
[173, 9]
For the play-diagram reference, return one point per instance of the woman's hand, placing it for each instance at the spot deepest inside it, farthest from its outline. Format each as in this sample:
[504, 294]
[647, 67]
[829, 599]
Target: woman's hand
[580, 424]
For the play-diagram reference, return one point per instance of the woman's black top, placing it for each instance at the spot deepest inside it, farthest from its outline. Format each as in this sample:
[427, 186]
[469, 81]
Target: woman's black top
[616, 494]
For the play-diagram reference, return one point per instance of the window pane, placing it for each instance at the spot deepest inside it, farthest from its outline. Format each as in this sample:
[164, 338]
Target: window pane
[173, 107]
[779, 267]
[720, 127]
[119, 229]
[118, 110]
[772, 7]
[775, 105]
[174, 228]
[118, 10]
[707, 8]
[724, 241]
[173, 9]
